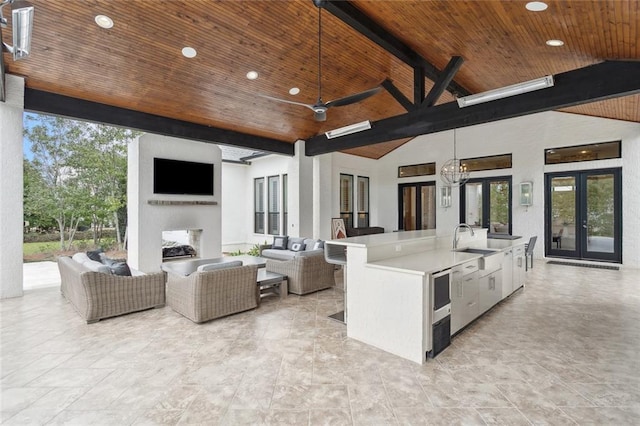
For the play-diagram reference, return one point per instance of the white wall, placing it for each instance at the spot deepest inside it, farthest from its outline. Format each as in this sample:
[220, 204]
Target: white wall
[237, 207]
[11, 178]
[146, 222]
[526, 138]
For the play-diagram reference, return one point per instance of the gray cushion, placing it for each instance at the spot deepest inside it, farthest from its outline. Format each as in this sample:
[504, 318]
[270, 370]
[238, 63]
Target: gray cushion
[278, 254]
[220, 265]
[97, 267]
[117, 267]
[309, 253]
[279, 243]
[297, 247]
[294, 240]
[318, 245]
[308, 243]
[95, 255]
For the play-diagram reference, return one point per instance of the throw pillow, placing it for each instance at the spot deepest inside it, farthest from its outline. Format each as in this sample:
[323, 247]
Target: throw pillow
[117, 267]
[318, 245]
[95, 255]
[294, 240]
[279, 243]
[297, 247]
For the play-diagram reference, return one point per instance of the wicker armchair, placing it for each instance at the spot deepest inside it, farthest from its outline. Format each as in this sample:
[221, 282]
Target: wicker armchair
[203, 296]
[96, 295]
[305, 274]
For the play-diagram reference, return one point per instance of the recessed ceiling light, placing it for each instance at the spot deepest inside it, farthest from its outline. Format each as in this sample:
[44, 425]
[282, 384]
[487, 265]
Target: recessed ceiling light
[555, 43]
[252, 75]
[104, 21]
[536, 6]
[584, 151]
[189, 52]
[294, 91]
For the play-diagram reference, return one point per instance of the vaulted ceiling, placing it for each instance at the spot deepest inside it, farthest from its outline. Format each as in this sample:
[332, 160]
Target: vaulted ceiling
[137, 64]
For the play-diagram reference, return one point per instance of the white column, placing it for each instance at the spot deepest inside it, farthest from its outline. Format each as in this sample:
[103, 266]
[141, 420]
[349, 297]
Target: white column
[301, 189]
[323, 195]
[11, 207]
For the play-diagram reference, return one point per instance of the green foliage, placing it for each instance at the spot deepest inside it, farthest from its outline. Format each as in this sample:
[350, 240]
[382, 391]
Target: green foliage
[77, 176]
[255, 250]
[34, 237]
[236, 253]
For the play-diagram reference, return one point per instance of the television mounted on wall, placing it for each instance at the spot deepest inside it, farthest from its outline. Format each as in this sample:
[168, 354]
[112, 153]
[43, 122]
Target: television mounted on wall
[182, 177]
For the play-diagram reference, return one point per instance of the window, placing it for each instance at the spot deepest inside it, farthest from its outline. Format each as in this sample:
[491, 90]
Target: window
[596, 151]
[274, 205]
[486, 203]
[285, 204]
[346, 199]
[363, 202]
[492, 162]
[417, 206]
[425, 169]
[258, 205]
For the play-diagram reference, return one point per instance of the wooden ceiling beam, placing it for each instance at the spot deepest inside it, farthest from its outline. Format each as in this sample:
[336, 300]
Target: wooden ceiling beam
[398, 95]
[366, 26]
[51, 103]
[606, 80]
[440, 85]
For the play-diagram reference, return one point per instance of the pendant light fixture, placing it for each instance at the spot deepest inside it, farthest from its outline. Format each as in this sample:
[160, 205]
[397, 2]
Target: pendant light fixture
[453, 172]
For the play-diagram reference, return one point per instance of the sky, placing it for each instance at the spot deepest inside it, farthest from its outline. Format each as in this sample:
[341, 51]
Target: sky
[26, 143]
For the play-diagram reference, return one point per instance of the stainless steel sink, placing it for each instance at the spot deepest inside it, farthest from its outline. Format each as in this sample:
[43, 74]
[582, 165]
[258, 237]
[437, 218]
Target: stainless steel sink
[483, 252]
[488, 261]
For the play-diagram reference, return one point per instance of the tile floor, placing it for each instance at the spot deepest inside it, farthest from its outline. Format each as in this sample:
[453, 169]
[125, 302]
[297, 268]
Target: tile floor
[565, 350]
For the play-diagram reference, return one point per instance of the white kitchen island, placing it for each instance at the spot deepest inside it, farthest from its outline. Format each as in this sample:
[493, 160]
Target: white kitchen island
[387, 286]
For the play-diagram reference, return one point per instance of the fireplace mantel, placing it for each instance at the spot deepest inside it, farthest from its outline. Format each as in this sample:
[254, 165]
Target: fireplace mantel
[181, 203]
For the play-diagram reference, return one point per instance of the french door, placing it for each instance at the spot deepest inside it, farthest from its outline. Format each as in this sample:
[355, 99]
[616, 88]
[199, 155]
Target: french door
[583, 214]
[417, 206]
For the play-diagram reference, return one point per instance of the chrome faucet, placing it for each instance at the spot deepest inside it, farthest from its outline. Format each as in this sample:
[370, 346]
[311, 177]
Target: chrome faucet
[455, 233]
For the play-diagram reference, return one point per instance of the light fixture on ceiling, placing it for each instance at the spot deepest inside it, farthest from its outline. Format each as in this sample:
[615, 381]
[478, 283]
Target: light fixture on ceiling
[347, 130]
[555, 43]
[454, 172]
[505, 92]
[189, 52]
[22, 26]
[252, 75]
[536, 6]
[104, 21]
[294, 91]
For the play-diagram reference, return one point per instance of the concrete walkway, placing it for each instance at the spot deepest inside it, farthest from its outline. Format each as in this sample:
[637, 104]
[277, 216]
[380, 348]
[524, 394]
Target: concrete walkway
[40, 275]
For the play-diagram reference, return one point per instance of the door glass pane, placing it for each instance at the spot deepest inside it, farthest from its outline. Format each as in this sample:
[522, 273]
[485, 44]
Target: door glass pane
[409, 208]
[600, 213]
[428, 206]
[346, 199]
[499, 207]
[563, 213]
[473, 201]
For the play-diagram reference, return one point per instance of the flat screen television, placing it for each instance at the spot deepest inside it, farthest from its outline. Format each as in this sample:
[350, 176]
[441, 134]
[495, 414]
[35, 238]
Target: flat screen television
[182, 177]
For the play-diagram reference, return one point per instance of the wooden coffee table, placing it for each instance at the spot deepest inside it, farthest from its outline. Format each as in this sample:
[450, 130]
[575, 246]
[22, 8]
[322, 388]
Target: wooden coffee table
[272, 283]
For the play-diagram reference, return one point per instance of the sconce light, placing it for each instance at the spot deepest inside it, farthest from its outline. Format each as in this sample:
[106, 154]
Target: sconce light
[526, 193]
[445, 196]
[22, 26]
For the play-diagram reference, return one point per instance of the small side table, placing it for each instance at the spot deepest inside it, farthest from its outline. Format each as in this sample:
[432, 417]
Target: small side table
[271, 282]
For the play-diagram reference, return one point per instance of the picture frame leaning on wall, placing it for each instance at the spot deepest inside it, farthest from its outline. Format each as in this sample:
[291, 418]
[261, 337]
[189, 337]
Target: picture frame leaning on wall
[338, 229]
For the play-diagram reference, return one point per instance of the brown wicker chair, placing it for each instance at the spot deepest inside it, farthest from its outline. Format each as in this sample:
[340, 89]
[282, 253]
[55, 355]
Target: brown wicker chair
[203, 296]
[96, 295]
[305, 274]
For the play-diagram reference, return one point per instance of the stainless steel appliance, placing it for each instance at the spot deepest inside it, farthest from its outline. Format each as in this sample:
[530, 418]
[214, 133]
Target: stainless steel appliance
[440, 311]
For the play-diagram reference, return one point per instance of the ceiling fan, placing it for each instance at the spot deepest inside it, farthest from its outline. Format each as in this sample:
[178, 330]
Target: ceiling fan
[320, 108]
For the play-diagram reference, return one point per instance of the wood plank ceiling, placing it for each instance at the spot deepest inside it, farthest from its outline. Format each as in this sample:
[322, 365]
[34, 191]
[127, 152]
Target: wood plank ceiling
[137, 64]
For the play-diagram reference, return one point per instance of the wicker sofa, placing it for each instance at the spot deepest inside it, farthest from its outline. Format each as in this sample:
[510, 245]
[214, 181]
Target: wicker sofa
[306, 274]
[98, 295]
[208, 294]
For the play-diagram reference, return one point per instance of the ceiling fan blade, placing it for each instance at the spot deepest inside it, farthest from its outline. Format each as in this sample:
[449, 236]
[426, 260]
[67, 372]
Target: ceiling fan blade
[352, 99]
[320, 115]
[286, 101]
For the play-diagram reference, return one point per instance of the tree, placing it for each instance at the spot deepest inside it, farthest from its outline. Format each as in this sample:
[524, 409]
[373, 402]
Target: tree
[82, 169]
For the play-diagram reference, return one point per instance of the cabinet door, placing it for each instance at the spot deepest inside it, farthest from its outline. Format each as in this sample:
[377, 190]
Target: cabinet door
[518, 267]
[490, 291]
[457, 301]
[470, 297]
[507, 273]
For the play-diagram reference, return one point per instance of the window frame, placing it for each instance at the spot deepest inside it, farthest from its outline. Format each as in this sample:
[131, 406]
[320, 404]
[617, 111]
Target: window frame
[486, 201]
[347, 215]
[258, 215]
[273, 217]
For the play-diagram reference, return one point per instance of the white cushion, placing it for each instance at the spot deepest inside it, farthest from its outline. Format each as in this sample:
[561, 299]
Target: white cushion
[80, 257]
[219, 265]
[97, 267]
